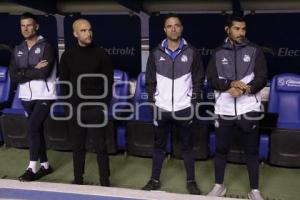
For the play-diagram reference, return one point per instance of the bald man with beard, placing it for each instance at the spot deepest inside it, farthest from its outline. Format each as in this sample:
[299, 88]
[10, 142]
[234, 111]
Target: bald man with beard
[89, 108]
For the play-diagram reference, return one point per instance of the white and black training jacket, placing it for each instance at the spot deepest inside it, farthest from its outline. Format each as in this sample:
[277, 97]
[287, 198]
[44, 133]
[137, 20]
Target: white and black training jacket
[174, 84]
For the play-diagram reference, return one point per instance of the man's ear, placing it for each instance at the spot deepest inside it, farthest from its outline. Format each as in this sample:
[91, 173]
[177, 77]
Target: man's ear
[226, 29]
[75, 34]
[37, 27]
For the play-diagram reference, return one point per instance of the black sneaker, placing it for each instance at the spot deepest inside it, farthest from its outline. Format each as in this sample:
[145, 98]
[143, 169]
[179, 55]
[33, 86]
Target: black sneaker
[152, 185]
[78, 181]
[43, 172]
[27, 176]
[192, 187]
[105, 182]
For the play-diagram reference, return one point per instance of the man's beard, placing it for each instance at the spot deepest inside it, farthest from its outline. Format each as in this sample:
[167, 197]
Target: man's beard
[240, 40]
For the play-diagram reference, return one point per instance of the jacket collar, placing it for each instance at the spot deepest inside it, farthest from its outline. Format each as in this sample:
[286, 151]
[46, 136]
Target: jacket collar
[92, 45]
[183, 44]
[40, 39]
[228, 45]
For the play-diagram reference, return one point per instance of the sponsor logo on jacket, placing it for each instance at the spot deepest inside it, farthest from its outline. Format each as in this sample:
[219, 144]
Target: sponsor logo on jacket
[162, 59]
[224, 61]
[20, 53]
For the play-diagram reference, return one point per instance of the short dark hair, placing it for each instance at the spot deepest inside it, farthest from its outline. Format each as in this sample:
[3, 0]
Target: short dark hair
[234, 18]
[28, 15]
[169, 15]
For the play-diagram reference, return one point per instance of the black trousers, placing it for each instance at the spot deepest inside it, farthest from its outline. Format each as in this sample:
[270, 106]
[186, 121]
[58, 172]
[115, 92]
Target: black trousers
[162, 127]
[37, 111]
[89, 115]
[250, 138]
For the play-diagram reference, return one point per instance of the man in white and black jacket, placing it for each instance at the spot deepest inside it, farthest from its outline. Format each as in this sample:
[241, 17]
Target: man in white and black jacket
[32, 67]
[237, 72]
[174, 79]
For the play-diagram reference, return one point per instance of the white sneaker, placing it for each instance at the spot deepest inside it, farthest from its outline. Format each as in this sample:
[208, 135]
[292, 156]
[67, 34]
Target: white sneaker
[218, 191]
[255, 195]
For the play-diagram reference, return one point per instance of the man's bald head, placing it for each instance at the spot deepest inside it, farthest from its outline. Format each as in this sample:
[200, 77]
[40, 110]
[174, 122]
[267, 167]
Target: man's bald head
[82, 30]
[77, 23]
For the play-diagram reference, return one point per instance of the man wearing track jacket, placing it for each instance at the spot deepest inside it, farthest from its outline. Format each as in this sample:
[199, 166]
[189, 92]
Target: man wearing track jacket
[174, 79]
[237, 72]
[33, 68]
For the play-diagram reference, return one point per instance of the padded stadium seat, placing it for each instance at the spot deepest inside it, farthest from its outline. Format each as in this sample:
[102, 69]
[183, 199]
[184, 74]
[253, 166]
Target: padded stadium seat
[140, 130]
[5, 86]
[120, 93]
[120, 102]
[285, 101]
[14, 124]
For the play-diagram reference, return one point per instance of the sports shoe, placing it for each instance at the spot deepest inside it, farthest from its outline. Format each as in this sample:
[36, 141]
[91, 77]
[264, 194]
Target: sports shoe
[78, 180]
[27, 176]
[152, 185]
[105, 182]
[193, 188]
[255, 195]
[43, 172]
[218, 191]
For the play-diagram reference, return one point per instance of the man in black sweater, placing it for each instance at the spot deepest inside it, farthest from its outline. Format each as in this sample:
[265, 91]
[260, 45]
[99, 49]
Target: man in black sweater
[88, 69]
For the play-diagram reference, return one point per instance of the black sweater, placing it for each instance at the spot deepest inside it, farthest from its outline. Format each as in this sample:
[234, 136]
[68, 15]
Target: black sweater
[86, 60]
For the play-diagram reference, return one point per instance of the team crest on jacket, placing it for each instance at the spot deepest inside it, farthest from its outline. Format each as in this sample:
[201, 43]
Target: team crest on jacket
[37, 51]
[184, 58]
[162, 58]
[246, 58]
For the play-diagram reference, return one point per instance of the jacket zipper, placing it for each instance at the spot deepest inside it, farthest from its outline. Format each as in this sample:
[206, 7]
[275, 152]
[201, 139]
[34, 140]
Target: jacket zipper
[173, 63]
[45, 80]
[256, 98]
[173, 73]
[173, 69]
[28, 53]
[235, 73]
